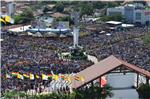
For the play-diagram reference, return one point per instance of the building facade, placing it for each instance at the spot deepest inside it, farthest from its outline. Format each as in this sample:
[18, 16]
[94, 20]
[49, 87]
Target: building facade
[132, 13]
[11, 6]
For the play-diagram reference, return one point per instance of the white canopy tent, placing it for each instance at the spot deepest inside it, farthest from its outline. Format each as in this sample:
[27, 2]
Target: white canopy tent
[114, 22]
[127, 25]
[1, 40]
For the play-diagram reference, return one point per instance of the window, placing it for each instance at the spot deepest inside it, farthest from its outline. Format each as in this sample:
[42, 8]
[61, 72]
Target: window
[138, 16]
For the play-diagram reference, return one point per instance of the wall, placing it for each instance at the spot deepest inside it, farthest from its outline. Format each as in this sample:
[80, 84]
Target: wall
[122, 85]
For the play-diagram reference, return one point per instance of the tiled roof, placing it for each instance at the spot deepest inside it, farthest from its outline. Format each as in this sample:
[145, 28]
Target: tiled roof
[103, 67]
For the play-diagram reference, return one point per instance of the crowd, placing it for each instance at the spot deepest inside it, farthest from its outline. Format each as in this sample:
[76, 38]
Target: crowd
[127, 45]
[34, 55]
[40, 55]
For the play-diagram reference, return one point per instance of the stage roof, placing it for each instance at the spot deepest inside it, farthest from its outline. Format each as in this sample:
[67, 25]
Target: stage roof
[103, 67]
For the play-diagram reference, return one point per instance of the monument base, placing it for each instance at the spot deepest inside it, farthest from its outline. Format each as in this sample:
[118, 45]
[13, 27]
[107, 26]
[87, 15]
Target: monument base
[77, 53]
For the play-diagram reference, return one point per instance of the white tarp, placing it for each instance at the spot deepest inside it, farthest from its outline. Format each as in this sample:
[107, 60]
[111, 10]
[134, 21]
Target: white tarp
[1, 40]
[20, 29]
[114, 22]
[46, 30]
[127, 25]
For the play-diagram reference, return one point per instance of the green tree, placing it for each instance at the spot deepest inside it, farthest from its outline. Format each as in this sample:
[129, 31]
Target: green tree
[117, 17]
[144, 91]
[27, 15]
[18, 19]
[112, 4]
[59, 7]
[94, 92]
[146, 39]
[98, 4]
[86, 9]
[46, 9]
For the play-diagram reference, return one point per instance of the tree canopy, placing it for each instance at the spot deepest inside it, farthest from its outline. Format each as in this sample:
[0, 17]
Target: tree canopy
[25, 17]
[144, 91]
[59, 7]
[146, 39]
[87, 9]
[46, 9]
[98, 4]
[117, 17]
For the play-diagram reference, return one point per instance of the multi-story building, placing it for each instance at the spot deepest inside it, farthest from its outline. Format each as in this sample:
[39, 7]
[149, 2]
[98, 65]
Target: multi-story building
[11, 8]
[133, 13]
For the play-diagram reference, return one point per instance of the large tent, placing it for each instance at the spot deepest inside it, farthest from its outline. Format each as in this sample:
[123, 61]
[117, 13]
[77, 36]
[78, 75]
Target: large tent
[114, 22]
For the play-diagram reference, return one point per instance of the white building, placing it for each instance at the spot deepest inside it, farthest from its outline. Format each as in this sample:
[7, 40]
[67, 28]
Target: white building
[136, 13]
[148, 3]
[11, 6]
[116, 10]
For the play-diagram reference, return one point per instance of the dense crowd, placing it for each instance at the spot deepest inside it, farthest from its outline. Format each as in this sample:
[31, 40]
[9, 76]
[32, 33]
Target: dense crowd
[127, 45]
[40, 55]
[37, 56]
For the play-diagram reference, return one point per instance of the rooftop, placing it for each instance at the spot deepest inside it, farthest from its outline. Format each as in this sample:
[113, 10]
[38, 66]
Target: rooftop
[103, 67]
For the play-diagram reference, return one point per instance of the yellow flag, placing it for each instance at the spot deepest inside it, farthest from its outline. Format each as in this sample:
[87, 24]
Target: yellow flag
[82, 78]
[79, 78]
[69, 78]
[25, 75]
[20, 76]
[8, 19]
[55, 77]
[2, 20]
[31, 76]
[37, 76]
[44, 77]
